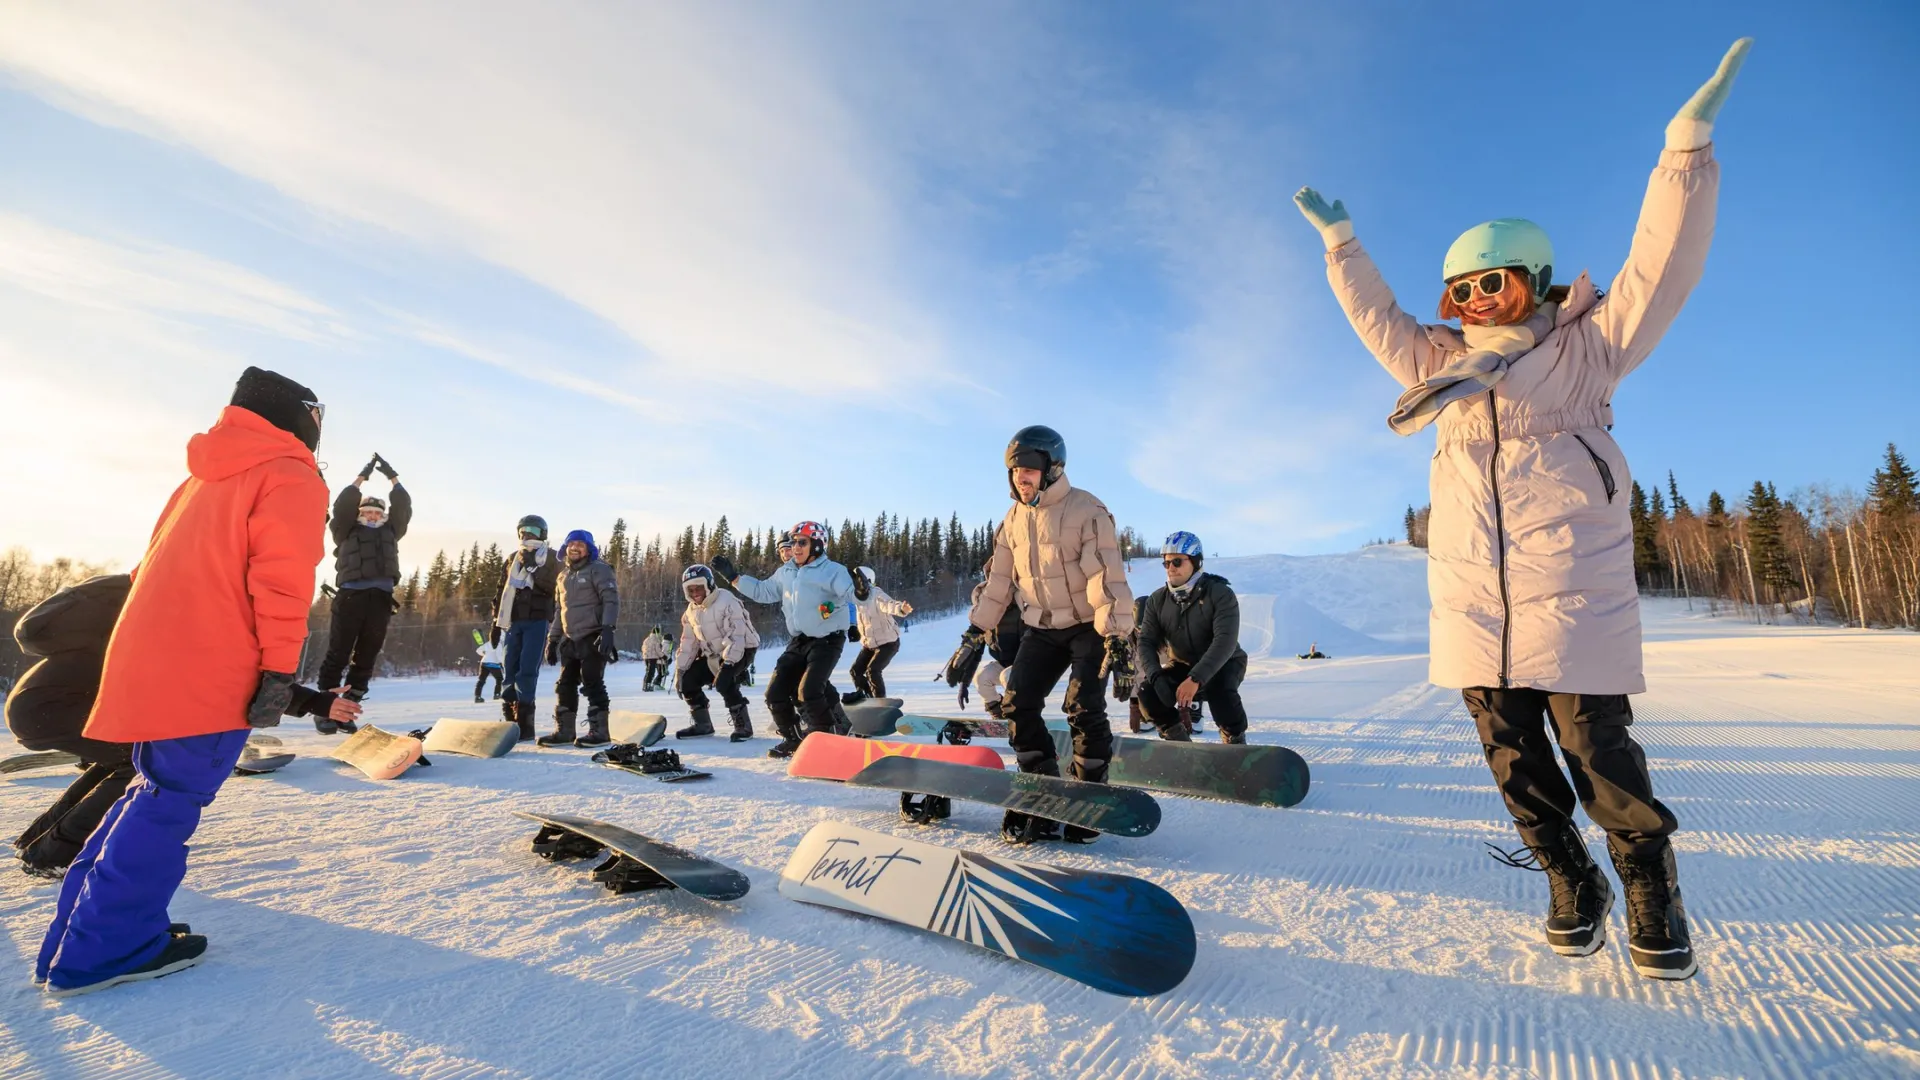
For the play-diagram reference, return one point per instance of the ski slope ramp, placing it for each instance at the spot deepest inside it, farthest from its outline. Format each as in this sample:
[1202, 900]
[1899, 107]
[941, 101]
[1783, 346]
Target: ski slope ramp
[364, 929]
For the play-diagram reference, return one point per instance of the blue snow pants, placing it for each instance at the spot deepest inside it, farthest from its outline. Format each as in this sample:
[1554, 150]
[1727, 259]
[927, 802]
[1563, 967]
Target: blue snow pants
[525, 646]
[112, 914]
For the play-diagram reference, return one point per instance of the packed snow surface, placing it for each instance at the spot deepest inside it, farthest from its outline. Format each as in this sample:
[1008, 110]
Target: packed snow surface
[368, 929]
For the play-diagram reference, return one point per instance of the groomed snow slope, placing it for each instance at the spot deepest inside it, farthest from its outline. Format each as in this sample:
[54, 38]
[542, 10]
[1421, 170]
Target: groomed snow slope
[364, 929]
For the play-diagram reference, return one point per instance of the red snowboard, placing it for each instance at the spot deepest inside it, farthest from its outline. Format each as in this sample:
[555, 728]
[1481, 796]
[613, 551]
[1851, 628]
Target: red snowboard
[825, 756]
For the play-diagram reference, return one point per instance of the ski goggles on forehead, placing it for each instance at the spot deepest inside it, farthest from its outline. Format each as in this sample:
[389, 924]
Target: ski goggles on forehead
[1491, 283]
[532, 534]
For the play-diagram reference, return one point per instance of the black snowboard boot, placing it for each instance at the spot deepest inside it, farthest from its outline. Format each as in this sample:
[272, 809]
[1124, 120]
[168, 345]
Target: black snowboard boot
[1233, 738]
[742, 724]
[596, 730]
[702, 724]
[840, 725]
[1019, 828]
[477, 699]
[182, 952]
[1658, 942]
[523, 716]
[562, 729]
[852, 697]
[348, 727]
[1174, 732]
[788, 725]
[995, 708]
[1577, 910]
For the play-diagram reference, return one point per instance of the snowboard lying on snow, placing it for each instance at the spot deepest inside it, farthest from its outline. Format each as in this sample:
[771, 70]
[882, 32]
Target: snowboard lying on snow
[872, 717]
[662, 765]
[1112, 932]
[1102, 807]
[45, 759]
[826, 756]
[1257, 774]
[472, 738]
[254, 763]
[382, 755]
[644, 728]
[638, 862]
[916, 724]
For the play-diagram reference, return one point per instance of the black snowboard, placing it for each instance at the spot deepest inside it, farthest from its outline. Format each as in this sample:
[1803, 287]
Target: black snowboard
[661, 765]
[252, 763]
[1258, 774]
[45, 759]
[637, 862]
[1102, 807]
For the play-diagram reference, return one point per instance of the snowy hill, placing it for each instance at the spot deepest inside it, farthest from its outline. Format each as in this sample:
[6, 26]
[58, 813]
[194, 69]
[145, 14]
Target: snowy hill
[364, 929]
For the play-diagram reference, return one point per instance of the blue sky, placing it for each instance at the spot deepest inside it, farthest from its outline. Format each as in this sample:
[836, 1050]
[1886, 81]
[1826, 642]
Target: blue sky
[669, 262]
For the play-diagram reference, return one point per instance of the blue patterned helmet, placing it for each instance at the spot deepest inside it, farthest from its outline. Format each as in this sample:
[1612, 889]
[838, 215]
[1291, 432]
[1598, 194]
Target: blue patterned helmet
[1183, 543]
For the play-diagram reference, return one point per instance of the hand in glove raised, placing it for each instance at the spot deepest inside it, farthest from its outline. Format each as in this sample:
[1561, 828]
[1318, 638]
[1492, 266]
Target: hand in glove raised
[1692, 127]
[366, 470]
[723, 568]
[1335, 226]
[385, 467]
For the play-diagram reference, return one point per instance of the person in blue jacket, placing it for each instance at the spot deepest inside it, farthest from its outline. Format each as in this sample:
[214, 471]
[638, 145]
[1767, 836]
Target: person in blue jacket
[814, 593]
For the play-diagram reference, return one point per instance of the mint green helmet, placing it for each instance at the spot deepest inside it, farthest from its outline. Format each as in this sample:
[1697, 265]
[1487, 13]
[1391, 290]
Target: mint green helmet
[1500, 243]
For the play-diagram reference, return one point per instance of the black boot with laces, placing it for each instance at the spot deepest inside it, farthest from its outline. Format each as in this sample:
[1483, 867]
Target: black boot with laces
[1657, 941]
[1581, 896]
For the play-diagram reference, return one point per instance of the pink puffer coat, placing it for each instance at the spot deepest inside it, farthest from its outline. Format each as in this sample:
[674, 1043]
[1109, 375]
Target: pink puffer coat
[1530, 557]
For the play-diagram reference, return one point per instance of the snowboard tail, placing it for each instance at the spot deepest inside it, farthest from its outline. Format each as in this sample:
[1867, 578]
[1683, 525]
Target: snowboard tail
[626, 726]
[1102, 807]
[825, 756]
[1257, 774]
[472, 738]
[382, 755]
[1114, 933]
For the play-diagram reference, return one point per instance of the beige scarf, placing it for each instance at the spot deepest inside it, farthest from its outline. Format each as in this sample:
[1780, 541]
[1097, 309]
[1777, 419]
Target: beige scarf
[1491, 350]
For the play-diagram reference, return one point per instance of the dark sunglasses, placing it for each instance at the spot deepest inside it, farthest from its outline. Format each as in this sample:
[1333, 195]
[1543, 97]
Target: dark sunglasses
[1174, 561]
[1491, 283]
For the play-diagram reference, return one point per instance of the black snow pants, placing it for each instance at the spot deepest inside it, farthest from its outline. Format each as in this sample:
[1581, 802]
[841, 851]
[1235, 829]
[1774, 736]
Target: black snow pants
[354, 636]
[804, 674]
[1157, 698]
[582, 669]
[868, 668]
[481, 682]
[699, 674]
[1044, 656]
[1608, 769]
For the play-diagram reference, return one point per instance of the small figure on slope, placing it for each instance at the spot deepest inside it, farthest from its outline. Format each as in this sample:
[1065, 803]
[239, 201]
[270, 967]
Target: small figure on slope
[1313, 653]
[814, 593]
[525, 612]
[366, 561]
[1057, 557]
[713, 652]
[222, 592]
[1190, 647]
[655, 650]
[879, 636]
[581, 641]
[1528, 521]
[489, 650]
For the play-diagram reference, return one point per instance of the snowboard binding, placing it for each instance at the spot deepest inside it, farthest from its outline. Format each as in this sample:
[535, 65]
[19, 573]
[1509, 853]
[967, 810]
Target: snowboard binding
[421, 734]
[954, 734]
[554, 843]
[633, 756]
[625, 874]
[925, 809]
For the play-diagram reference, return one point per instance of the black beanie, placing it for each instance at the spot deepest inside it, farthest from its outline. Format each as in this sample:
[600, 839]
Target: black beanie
[279, 401]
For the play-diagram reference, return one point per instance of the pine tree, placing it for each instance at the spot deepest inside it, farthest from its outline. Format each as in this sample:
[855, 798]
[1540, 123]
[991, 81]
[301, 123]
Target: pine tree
[617, 553]
[1409, 523]
[685, 550]
[1765, 547]
[410, 596]
[1657, 506]
[720, 541]
[1716, 511]
[1647, 564]
[1895, 491]
[1679, 501]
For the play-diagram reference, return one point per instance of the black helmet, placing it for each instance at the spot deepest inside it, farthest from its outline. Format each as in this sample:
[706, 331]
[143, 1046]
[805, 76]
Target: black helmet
[533, 523]
[1036, 447]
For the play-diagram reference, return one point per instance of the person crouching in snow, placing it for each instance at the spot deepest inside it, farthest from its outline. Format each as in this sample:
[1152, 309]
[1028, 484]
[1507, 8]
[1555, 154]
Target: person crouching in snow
[222, 593]
[879, 636]
[1189, 648]
[814, 593]
[1536, 616]
[581, 641]
[713, 652]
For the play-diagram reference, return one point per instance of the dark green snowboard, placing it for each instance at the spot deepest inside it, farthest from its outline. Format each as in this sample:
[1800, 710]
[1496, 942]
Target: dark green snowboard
[1257, 774]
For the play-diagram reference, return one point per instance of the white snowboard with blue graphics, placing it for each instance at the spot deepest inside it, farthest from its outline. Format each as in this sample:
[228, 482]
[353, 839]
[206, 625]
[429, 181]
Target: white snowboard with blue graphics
[1114, 933]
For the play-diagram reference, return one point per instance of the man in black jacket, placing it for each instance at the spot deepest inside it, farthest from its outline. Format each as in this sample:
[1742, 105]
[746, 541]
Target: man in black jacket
[366, 563]
[1190, 646]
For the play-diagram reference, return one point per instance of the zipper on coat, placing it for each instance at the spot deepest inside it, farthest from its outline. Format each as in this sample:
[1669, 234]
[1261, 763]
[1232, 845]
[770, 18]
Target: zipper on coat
[1500, 541]
[1600, 466]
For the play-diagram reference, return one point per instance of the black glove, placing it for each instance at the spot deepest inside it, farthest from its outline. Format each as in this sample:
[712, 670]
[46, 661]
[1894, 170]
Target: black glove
[1119, 664]
[553, 650]
[270, 699]
[723, 568]
[608, 650]
[367, 470]
[861, 587]
[965, 659]
[385, 466]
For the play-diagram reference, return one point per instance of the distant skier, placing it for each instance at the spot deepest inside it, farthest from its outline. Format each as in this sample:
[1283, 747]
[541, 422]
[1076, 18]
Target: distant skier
[713, 652]
[1313, 653]
[490, 652]
[525, 612]
[581, 641]
[813, 592]
[1057, 557]
[1528, 521]
[1190, 647]
[366, 562]
[879, 636]
[655, 650]
[204, 650]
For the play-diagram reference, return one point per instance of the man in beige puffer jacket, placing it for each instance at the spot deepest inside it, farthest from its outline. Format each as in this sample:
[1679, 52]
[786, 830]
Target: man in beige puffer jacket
[1058, 556]
[1535, 611]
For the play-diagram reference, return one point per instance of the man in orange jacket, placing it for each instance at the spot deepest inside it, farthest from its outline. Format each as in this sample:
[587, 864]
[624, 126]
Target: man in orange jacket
[204, 650]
